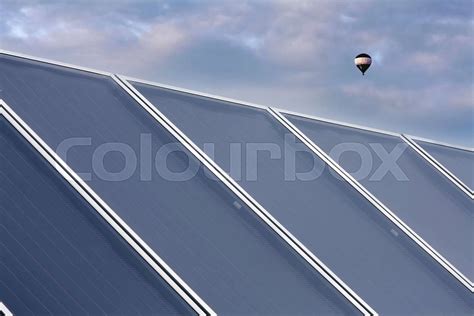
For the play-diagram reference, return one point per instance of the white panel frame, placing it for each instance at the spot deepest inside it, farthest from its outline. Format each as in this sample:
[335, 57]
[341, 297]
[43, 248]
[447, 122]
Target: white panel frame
[163, 270]
[192, 92]
[3, 308]
[335, 122]
[55, 63]
[436, 142]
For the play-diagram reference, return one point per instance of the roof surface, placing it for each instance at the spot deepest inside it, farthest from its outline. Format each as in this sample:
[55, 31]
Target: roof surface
[281, 213]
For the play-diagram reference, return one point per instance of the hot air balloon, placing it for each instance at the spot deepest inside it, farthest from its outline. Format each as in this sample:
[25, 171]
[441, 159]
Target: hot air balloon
[363, 61]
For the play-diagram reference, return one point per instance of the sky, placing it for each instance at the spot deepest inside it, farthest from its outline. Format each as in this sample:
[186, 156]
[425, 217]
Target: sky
[295, 55]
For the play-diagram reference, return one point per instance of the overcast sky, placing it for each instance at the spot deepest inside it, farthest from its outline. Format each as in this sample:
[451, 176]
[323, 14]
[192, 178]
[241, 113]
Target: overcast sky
[296, 55]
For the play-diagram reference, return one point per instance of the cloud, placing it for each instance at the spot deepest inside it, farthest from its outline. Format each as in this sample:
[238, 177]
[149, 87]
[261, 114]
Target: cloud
[85, 39]
[292, 53]
[413, 101]
[431, 62]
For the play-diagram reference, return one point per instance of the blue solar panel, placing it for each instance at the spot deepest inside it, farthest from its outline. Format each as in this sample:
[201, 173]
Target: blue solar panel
[459, 161]
[416, 192]
[58, 255]
[336, 223]
[203, 231]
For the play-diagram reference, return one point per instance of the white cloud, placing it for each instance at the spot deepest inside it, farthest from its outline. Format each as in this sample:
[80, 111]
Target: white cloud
[415, 100]
[305, 46]
[17, 31]
[429, 61]
[87, 40]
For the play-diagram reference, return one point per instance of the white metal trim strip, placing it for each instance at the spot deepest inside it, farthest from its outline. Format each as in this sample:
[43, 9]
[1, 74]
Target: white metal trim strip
[106, 212]
[370, 197]
[325, 120]
[54, 63]
[294, 243]
[192, 92]
[3, 308]
[438, 166]
[435, 142]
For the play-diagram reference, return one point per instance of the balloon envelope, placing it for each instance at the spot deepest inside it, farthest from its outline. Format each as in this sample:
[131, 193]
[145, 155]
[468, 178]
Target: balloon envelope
[363, 62]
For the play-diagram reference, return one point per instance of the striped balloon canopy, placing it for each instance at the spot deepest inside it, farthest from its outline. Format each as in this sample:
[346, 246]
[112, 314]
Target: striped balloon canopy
[363, 61]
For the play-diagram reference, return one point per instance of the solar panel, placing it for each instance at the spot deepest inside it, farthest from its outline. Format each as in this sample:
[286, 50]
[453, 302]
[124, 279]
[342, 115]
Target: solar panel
[353, 238]
[201, 229]
[459, 161]
[58, 255]
[404, 181]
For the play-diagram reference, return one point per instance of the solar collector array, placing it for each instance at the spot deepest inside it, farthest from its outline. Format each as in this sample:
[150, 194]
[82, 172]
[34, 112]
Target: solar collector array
[203, 231]
[58, 255]
[422, 197]
[343, 229]
[78, 104]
